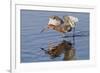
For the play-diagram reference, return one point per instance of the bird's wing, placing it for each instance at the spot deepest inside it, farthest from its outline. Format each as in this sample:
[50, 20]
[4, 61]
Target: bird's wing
[55, 20]
[74, 19]
[70, 20]
[65, 19]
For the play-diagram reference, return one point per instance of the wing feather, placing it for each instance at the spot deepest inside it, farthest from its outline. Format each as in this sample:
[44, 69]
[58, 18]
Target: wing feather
[70, 20]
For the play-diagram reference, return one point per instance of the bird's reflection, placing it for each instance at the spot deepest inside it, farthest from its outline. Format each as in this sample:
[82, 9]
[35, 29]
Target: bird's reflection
[63, 47]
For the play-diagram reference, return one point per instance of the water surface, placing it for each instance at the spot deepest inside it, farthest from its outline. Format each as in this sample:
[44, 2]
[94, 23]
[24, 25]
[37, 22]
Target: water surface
[33, 21]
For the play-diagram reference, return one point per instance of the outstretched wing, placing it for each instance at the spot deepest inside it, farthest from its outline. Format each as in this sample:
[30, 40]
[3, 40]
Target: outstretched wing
[70, 20]
[55, 20]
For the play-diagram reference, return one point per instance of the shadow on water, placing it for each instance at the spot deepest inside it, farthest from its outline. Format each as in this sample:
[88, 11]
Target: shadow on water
[63, 47]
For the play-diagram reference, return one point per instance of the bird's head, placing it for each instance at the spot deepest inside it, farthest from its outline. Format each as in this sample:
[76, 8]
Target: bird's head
[51, 26]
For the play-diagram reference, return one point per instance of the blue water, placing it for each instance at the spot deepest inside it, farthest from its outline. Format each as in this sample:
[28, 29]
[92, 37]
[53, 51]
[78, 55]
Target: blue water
[33, 21]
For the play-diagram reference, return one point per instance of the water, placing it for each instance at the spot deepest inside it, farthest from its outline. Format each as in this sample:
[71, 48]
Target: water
[33, 21]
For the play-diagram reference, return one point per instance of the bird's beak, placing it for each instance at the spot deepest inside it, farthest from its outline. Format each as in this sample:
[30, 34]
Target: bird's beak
[44, 29]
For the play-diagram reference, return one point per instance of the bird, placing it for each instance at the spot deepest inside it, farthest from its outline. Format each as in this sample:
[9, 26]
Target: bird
[63, 47]
[61, 25]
